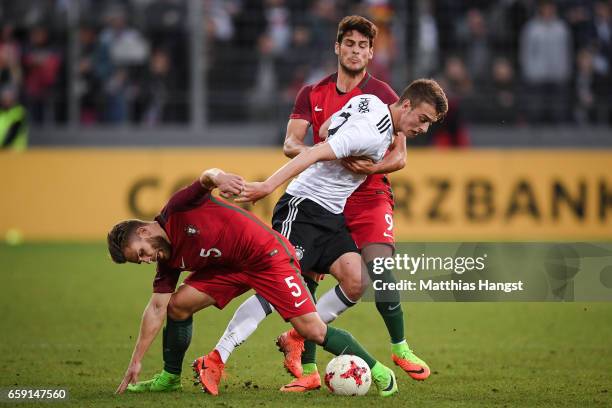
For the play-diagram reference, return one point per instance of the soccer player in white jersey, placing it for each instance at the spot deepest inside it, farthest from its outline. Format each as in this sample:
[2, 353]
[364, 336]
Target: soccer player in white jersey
[309, 214]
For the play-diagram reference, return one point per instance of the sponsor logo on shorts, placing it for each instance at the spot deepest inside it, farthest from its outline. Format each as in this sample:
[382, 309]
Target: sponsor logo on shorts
[299, 252]
[298, 304]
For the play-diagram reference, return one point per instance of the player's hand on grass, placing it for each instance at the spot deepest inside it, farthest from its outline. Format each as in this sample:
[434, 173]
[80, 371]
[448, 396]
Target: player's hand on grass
[359, 165]
[131, 377]
[254, 192]
[229, 185]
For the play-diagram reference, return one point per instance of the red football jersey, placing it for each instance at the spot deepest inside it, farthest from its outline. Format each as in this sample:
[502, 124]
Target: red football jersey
[316, 103]
[207, 232]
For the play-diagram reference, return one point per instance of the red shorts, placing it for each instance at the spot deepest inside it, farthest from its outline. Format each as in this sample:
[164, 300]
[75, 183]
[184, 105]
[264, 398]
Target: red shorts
[280, 283]
[369, 218]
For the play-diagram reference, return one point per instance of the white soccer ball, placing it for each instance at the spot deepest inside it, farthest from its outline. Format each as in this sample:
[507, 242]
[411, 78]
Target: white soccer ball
[348, 375]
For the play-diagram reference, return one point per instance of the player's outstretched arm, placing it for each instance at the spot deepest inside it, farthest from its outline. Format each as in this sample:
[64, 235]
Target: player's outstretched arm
[394, 160]
[256, 191]
[295, 136]
[152, 321]
[228, 184]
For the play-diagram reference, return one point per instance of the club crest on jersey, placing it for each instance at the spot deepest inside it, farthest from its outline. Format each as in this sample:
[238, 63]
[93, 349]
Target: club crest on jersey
[364, 105]
[299, 252]
[191, 230]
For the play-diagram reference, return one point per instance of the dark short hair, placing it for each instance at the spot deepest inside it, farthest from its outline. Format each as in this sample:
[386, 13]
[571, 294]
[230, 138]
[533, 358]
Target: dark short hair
[426, 91]
[357, 23]
[119, 237]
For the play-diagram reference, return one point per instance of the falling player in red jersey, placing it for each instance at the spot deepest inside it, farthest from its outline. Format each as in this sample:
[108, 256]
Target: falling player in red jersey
[368, 211]
[229, 251]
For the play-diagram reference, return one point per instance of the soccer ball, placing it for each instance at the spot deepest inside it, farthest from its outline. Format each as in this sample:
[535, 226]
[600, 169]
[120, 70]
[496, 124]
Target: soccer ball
[348, 375]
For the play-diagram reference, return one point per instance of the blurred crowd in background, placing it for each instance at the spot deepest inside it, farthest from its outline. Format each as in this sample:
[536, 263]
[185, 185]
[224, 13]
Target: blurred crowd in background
[514, 62]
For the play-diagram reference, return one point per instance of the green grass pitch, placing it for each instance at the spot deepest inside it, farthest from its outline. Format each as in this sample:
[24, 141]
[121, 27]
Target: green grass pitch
[69, 318]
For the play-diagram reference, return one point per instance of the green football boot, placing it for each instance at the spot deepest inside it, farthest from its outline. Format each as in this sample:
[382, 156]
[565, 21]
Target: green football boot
[162, 382]
[385, 381]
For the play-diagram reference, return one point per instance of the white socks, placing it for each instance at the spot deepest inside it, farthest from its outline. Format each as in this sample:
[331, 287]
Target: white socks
[244, 322]
[255, 309]
[332, 304]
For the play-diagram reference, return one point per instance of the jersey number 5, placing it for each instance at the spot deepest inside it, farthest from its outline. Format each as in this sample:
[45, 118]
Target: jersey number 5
[389, 219]
[292, 285]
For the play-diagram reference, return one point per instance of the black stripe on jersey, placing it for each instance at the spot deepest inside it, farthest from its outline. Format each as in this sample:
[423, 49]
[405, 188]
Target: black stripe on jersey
[381, 121]
[385, 129]
[384, 124]
[365, 81]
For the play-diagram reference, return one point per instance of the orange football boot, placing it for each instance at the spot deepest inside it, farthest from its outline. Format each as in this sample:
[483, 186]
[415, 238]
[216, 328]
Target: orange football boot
[305, 383]
[292, 346]
[208, 371]
[411, 364]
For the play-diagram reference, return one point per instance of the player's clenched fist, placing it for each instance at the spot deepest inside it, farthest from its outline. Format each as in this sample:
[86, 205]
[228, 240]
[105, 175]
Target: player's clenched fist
[229, 185]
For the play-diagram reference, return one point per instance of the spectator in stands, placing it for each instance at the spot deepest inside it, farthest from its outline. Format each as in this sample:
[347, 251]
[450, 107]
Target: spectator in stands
[278, 27]
[601, 29]
[232, 74]
[499, 102]
[584, 92]
[10, 59]
[13, 121]
[322, 20]
[461, 87]
[156, 101]
[273, 45]
[123, 50]
[380, 67]
[263, 93]
[506, 21]
[426, 45]
[219, 16]
[446, 13]
[41, 63]
[474, 44]
[545, 56]
[166, 26]
[452, 131]
[88, 84]
[601, 41]
[578, 16]
[296, 62]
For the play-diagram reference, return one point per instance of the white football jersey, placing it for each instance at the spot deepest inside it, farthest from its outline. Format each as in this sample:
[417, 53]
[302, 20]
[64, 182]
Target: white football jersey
[363, 127]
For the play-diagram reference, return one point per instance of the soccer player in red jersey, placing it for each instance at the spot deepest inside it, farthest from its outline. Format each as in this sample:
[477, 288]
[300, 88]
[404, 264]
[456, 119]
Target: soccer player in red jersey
[229, 251]
[368, 211]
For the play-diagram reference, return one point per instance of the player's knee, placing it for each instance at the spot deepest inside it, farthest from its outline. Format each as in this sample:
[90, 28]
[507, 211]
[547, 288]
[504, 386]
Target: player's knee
[176, 311]
[354, 287]
[315, 333]
[312, 329]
